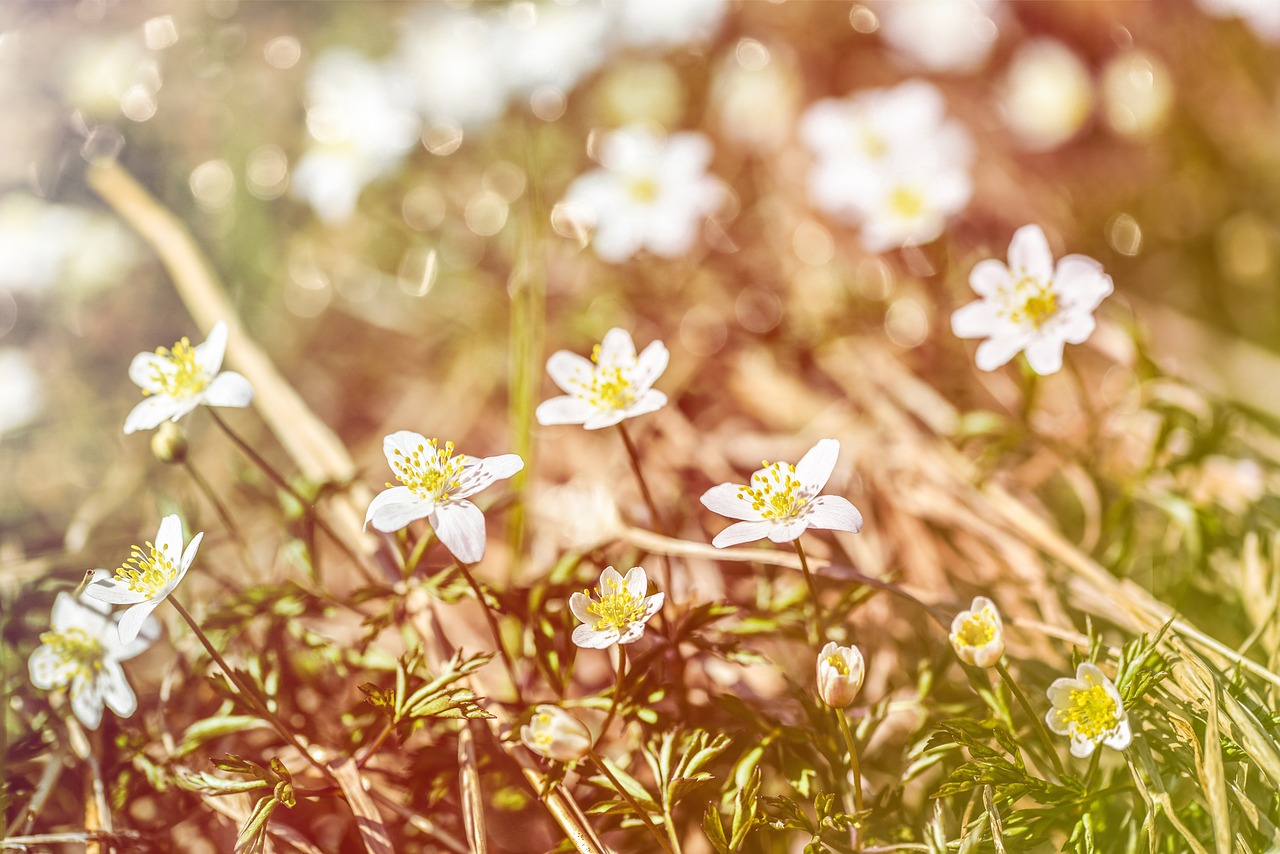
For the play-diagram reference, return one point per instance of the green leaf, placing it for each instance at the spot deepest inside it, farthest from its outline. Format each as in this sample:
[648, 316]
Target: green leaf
[215, 727]
[629, 783]
[714, 831]
[254, 833]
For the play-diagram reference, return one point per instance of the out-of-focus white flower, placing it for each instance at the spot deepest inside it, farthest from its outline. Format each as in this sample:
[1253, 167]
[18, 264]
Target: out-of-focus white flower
[1088, 709]
[909, 208]
[756, 103]
[1137, 90]
[556, 734]
[82, 652]
[652, 193]
[435, 485]
[581, 514]
[563, 45]
[1031, 304]
[147, 577]
[19, 390]
[840, 674]
[1261, 16]
[977, 635]
[43, 245]
[448, 57]
[614, 385]
[941, 35]
[1047, 95]
[620, 613]
[103, 70]
[664, 23]
[783, 500]
[176, 381]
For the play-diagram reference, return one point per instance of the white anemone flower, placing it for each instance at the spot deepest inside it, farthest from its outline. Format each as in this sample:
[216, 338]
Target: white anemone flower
[909, 208]
[82, 652]
[614, 385]
[977, 635]
[840, 674]
[1032, 304]
[1089, 710]
[619, 614]
[653, 193]
[176, 380]
[783, 500]
[435, 485]
[941, 35]
[147, 577]
[556, 734]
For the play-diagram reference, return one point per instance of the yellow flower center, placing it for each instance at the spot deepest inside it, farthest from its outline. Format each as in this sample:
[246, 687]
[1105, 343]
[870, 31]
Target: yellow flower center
[1092, 710]
[609, 387]
[838, 663]
[432, 474]
[185, 378]
[872, 144]
[146, 572]
[642, 189]
[978, 630]
[74, 646]
[1031, 301]
[775, 492]
[617, 608]
[906, 202]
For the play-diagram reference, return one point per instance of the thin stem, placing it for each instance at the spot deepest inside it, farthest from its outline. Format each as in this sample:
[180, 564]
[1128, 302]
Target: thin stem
[672, 833]
[626, 796]
[633, 456]
[494, 630]
[1093, 768]
[1030, 384]
[419, 549]
[246, 691]
[818, 632]
[1036, 719]
[366, 753]
[617, 690]
[852, 747]
[221, 510]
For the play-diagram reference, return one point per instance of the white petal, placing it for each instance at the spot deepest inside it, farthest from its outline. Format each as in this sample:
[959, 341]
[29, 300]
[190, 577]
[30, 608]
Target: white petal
[86, 702]
[634, 632]
[209, 354]
[988, 277]
[1077, 329]
[726, 500]
[997, 351]
[460, 526]
[815, 467]
[1082, 748]
[616, 241]
[742, 532]
[1045, 355]
[132, 619]
[228, 389]
[976, 320]
[833, 513]
[169, 539]
[150, 412]
[115, 689]
[394, 508]
[564, 410]
[569, 370]
[72, 613]
[650, 364]
[144, 367]
[651, 401]
[1030, 255]
[637, 582]
[188, 556]
[1059, 692]
[488, 469]
[114, 592]
[1081, 280]
[49, 670]
[120, 651]
[652, 605]
[1055, 725]
[785, 532]
[617, 348]
[588, 638]
[1121, 738]
[600, 420]
[404, 441]
[579, 604]
[611, 581]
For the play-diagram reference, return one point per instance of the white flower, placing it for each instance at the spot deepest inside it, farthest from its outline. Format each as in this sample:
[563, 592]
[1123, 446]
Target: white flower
[620, 614]
[1089, 710]
[448, 56]
[563, 45]
[435, 486]
[909, 207]
[665, 23]
[1031, 304]
[977, 635]
[82, 652]
[782, 500]
[840, 674]
[176, 381]
[614, 385]
[652, 193]
[1047, 94]
[20, 390]
[554, 733]
[147, 577]
[941, 35]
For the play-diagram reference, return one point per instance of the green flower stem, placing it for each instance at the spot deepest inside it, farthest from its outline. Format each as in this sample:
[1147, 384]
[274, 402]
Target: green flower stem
[617, 690]
[419, 549]
[1041, 730]
[494, 630]
[221, 510]
[367, 753]
[626, 796]
[247, 691]
[633, 456]
[852, 747]
[818, 633]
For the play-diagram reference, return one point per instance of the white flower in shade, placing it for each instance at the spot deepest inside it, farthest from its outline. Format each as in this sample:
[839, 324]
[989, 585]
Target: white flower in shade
[941, 35]
[435, 485]
[910, 208]
[1089, 710]
[614, 385]
[556, 734]
[782, 500]
[82, 652]
[665, 23]
[977, 635]
[176, 381]
[619, 614]
[840, 674]
[652, 193]
[1032, 304]
[147, 577]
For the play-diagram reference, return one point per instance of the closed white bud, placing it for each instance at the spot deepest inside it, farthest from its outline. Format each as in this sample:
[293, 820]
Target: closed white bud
[556, 734]
[977, 635]
[840, 674]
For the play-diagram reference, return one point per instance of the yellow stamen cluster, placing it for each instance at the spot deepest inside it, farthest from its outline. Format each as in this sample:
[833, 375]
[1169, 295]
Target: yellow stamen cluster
[74, 646]
[872, 144]
[978, 630]
[775, 492]
[609, 387]
[146, 572]
[617, 608]
[1093, 710]
[185, 378]
[839, 664]
[1031, 301]
[642, 189]
[433, 473]
[906, 202]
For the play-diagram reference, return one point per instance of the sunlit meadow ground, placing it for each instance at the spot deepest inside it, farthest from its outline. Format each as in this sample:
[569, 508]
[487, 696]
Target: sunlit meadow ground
[370, 195]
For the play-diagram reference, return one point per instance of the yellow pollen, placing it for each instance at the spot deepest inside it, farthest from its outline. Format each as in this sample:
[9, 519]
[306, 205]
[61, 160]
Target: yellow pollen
[775, 492]
[184, 377]
[838, 662]
[146, 572]
[978, 630]
[1092, 710]
[617, 609]
[609, 387]
[872, 144]
[1030, 301]
[430, 471]
[642, 189]
[906, 203]
[74, 646]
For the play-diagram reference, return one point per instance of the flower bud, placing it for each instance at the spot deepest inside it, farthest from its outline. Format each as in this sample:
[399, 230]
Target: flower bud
[556, 734]
[977, 635]
[840, 673]
[169, 443]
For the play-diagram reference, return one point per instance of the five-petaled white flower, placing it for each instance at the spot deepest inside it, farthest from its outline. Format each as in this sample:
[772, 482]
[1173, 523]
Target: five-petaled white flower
[840, 674]
[1089, 710]
[82, 652]
[176, 381]
[620, 613]
[652, 193]
[1031, 304]
[977, 635]
[556, 734]
[782, 500]
[435, 485]
[147, 577]
[614, 385]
